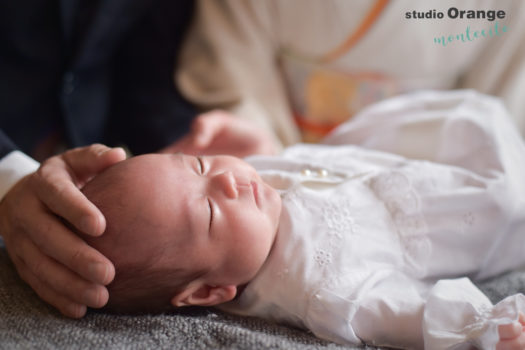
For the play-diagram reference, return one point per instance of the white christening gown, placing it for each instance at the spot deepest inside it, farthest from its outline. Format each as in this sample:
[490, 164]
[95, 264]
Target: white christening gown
[385, 225]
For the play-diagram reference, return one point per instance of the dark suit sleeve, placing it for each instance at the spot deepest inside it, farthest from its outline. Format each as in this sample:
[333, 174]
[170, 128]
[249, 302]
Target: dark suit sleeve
[6, 145]
[148, 112]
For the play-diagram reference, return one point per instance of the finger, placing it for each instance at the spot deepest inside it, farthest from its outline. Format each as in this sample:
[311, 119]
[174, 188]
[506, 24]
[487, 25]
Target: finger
[509, 331]
[57, 192]
[64, 305]
[59, 178]
[55, 276]
[82, 164]
[55, 240]
[512, 344]
[86, 162]
[521, 319]
[207, 126]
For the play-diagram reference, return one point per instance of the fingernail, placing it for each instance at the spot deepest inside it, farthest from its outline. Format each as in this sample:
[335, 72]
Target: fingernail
[120, 149]
[90, 225]
[85, 225]
[77, 311]
[100, 273]
[92, 298]
[102, 149]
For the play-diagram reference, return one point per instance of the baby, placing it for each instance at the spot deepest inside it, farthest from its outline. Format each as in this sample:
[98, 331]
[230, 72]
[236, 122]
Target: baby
[369, 238]
[183, 230]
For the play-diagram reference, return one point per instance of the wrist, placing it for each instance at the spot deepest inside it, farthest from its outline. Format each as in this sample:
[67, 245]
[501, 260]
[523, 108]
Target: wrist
[13, 167]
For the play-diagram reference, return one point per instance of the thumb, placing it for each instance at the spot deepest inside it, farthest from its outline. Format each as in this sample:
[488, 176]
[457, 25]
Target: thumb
[86, 162]
[59, 178]
[206, 128]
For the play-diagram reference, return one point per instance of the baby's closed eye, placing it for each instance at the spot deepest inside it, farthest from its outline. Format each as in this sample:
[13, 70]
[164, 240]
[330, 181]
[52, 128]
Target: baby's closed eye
[211, 213]
[201, 165]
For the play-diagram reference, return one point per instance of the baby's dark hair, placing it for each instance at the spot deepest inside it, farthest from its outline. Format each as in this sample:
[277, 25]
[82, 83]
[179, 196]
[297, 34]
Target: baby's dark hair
[140, 290]
[144, 290]
[140, 285]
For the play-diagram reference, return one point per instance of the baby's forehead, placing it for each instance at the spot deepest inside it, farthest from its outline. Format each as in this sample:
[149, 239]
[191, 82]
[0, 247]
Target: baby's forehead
[156, 185]
[171, 187]
[142, 203]
[150, 169]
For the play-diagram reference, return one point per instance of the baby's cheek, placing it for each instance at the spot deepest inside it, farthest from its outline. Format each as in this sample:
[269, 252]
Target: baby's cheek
[254, 245]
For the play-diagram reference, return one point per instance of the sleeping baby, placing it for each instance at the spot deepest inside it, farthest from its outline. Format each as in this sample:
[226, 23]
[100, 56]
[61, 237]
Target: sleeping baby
[372, 237]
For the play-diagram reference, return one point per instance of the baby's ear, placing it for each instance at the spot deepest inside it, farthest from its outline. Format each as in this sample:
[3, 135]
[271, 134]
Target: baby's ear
[204, 295]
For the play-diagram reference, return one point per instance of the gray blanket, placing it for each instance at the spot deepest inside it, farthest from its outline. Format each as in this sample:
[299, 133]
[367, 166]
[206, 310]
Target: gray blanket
[28, 323]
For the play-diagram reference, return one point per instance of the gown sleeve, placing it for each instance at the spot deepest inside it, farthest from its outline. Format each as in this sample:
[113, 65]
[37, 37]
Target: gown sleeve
[392, 310]
[457, 312]
[461, 128]
[386, 310]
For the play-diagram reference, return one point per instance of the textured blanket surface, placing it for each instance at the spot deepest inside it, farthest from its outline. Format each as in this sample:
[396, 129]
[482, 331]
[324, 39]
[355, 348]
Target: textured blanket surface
[28, 323]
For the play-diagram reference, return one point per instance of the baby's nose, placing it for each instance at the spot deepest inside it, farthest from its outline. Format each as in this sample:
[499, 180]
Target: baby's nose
[226, 183]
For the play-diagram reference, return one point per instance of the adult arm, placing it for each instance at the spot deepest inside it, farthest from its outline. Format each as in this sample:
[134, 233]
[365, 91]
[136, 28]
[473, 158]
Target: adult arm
[229, 61]
[55, 262]
[6, 145]
[13, 164]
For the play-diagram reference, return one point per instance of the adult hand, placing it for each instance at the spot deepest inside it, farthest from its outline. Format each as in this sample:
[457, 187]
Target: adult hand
[219, 132]
[34, 217]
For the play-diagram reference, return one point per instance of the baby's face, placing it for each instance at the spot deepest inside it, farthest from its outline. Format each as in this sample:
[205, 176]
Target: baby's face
[209, 213]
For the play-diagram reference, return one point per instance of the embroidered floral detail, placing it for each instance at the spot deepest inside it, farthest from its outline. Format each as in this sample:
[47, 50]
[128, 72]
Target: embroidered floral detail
[337, 214]
[391, 184]
[410, 225]
[322, 257]
[401, 200]
[334, 222]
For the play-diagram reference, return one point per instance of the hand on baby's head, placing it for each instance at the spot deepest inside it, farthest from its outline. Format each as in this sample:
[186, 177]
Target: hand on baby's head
[174, 232]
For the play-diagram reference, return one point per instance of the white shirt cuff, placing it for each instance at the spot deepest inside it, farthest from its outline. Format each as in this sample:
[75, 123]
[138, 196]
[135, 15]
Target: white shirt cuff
[13, 167]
